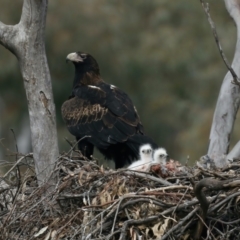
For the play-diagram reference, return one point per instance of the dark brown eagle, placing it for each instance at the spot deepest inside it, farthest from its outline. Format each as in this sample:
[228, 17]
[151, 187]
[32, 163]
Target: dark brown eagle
[102, 112]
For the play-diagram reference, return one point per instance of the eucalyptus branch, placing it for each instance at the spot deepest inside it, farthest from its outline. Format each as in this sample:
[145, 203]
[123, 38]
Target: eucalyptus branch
[205, 6]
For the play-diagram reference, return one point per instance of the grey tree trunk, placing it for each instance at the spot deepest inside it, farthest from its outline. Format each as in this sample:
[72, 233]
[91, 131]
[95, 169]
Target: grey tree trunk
[26, 41]
[228, 101]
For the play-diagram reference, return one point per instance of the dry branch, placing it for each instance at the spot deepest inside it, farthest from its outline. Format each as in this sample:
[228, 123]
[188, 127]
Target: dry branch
[228, 99]
[224, 58]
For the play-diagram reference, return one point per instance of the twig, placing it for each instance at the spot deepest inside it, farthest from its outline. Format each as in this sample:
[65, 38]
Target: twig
[135, 222]
[169, 188]
[17, 167]
[71, 145]
[234, 75]
[223, 222]
[18, 161]
[115, 217]
[144, 175]
[216, 206]
[75, 195]
[69, 221]
[112, 234]
[180, 200]
[74, 145]
[180, 223]
[14, 137]
[217, 230]
[203, 222]
[98, 215]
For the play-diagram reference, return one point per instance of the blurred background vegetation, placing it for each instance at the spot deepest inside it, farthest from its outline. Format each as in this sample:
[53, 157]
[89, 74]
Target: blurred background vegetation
[162, 53]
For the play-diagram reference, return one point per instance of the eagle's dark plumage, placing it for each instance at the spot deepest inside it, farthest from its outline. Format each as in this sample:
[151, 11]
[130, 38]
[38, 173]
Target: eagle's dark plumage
[103, 112]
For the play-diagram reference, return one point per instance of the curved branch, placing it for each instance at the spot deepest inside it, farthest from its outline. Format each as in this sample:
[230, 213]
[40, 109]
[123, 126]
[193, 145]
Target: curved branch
[211, 184]
[234, 75]
[7, 36]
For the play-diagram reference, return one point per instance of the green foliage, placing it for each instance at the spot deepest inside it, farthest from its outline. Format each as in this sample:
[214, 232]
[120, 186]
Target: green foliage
[161, 53]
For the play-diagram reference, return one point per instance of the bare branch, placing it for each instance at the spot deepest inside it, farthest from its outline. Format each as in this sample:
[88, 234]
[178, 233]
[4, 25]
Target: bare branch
[7, 36]
[234, 75]
[235, 152]
[144, 175]
[225, 200]
[228, 100]
[18, 161]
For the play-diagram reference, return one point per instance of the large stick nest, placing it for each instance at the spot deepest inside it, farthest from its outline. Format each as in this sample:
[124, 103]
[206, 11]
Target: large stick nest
[90, 202]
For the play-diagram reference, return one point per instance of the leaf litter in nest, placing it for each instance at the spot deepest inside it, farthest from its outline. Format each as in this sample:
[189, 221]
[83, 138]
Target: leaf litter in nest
[160, 228]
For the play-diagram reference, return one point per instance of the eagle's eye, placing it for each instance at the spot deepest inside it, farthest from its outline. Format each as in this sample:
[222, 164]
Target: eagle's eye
[161, 155]
[83, 56]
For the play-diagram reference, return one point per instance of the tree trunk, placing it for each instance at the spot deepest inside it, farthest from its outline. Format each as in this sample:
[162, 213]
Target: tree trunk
[26, 40]
[228, 101]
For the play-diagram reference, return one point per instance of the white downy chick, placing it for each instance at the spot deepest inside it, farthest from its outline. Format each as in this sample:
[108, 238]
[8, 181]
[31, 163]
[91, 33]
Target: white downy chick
[145, 153]
[160, 156]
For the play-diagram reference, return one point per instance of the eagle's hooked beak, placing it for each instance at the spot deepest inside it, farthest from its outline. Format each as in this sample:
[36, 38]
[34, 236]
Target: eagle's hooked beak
[74, 57]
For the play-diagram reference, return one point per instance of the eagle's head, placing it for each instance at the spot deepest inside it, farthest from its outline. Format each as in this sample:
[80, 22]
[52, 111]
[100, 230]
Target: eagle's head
[83, 62]
[160, 156]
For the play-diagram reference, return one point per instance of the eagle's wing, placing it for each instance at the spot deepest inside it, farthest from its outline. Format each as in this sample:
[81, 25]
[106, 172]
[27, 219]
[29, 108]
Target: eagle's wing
[105, 113]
